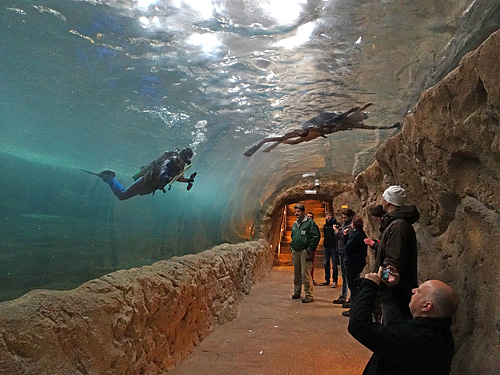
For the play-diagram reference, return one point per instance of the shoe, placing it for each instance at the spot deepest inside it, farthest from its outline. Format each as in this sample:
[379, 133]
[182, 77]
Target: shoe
[296, 296]
[346, 313]
[106, 175]
[307, 300]
[339, 301]
[334, 285]
[346, 305]
[314, 283]
[324, 283]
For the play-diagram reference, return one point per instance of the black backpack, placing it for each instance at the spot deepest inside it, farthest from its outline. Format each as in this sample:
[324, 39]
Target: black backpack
[155, 164]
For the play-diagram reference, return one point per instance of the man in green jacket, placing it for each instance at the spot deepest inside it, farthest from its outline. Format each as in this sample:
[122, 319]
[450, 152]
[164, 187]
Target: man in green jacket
[305, 239]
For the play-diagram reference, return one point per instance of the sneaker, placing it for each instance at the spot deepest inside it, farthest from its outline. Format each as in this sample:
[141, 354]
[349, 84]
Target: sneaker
[340, 300]
[346, 313]
[314, 283]
[324, 283]
[106, 175]
[307, 300]
[296, 296]
[334, 285]
[346, 305]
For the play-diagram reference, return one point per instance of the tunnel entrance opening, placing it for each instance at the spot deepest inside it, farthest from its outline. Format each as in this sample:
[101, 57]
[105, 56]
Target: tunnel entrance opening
[276, 217]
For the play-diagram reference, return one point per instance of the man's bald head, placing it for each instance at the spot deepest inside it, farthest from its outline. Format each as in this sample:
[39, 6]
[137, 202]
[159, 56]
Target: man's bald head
[434, 299]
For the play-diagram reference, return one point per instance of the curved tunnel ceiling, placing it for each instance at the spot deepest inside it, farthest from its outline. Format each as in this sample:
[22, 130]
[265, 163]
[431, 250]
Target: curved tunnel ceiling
[112, 84]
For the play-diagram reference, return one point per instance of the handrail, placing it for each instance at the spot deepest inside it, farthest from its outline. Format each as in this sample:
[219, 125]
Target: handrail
[282, 231]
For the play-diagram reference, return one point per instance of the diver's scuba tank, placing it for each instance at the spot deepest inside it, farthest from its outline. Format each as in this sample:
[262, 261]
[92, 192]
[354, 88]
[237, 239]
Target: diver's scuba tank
[160, 159]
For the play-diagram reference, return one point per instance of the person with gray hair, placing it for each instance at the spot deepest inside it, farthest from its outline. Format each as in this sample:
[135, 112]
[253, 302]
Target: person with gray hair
[422, 345]
[305, 239]
[398, 248]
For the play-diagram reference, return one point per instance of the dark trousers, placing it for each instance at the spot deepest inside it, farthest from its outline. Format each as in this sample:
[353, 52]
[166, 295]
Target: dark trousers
[353, 280]
[331, 257]
[344, 275]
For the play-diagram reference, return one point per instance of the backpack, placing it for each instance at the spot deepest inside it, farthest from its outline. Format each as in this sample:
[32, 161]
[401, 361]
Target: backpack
[155, 164]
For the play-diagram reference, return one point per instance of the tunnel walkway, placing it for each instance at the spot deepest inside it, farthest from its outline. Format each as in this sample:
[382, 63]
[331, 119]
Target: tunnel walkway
[275, 335]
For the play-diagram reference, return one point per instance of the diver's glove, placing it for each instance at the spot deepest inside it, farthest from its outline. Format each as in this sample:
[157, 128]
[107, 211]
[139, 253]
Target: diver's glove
[190, 181]
[191, 178]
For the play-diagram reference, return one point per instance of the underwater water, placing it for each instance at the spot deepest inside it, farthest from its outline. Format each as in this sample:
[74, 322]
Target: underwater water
[111, 84]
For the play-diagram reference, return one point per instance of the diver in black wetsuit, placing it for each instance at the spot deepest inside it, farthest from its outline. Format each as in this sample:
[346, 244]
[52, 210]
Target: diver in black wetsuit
[167, 168]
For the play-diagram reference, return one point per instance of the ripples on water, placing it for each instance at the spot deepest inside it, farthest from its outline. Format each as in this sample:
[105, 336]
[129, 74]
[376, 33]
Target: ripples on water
[110, 84]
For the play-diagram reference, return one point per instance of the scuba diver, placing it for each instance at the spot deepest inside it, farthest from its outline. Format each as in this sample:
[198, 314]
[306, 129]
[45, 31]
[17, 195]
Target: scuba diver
[164, 170]
[321, 125]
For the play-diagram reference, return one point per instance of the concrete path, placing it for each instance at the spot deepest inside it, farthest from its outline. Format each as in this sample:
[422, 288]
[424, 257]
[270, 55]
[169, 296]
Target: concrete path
[275, 335]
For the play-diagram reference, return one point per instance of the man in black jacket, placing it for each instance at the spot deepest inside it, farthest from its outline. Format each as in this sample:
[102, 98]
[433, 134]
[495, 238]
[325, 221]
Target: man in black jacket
[342, 235]
[330, 251]
[355, 259]
[398, 248]
[423, 345]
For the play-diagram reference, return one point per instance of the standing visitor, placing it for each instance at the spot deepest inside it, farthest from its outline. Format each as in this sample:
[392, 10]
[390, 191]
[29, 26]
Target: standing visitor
[342, 235]
[398, 248]
[305, 239]
[330, 251]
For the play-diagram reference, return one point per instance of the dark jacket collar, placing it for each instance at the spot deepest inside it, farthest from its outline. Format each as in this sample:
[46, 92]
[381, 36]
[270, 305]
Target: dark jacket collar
[433, 322]
[408, 213]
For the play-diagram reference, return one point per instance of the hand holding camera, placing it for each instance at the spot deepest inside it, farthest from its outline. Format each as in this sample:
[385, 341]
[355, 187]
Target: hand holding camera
[389, 276]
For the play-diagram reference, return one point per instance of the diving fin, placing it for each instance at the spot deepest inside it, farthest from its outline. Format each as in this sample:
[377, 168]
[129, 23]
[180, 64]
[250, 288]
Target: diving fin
[89, 172]
[252, 150]
[104, 174]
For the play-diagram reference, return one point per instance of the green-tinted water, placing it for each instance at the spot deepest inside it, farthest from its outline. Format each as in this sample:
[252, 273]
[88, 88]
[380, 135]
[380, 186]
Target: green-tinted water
[112, 84]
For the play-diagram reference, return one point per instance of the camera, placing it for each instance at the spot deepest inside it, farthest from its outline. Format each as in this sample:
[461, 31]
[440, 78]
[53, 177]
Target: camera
[385, 274]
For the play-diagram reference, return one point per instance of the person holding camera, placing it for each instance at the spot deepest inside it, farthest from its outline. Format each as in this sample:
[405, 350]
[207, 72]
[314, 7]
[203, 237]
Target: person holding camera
[305, 239]
[422, 345]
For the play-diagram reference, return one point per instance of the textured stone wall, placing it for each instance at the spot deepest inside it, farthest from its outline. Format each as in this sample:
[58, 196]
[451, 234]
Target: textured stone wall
[292, 191]
[448, 158]
[138, 321]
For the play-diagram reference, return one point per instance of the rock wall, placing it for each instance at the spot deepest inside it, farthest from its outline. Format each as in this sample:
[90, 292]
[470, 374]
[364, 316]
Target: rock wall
[138, 321]
[448, 158]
